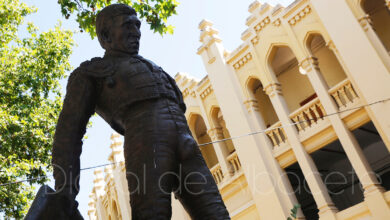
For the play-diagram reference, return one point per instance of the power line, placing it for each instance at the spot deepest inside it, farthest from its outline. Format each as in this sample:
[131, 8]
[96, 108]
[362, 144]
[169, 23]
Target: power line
[41, 177]
[218, 141]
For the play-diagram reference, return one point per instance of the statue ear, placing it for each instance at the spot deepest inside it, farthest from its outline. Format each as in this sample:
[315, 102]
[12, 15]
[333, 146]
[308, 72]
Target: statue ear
[106, 36]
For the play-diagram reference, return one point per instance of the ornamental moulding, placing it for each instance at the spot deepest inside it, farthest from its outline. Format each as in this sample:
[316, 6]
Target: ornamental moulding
[365, 22]
[251, 105]
[187, 92]
[242, 61]
[277, 22]
[262, 24]
[255, 40]
[206, 92]
[300, 15]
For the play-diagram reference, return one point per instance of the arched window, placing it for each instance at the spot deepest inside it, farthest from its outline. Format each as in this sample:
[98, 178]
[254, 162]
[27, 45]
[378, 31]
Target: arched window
[296, 87]
[267, 111]
[199, 130]
[379, 14]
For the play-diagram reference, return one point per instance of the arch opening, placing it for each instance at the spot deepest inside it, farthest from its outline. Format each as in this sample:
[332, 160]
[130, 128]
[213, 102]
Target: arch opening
[199, 130]
[114, 211]
[379, 14]
[331, 69]
[266, 109]
[219, 122]
[296, 87]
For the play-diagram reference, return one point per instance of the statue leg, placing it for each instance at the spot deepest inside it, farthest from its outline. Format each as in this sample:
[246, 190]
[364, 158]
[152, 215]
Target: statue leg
[198, 192]
[150, 171]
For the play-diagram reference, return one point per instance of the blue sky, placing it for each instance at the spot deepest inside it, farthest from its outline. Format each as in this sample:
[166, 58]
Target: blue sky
[174, 53]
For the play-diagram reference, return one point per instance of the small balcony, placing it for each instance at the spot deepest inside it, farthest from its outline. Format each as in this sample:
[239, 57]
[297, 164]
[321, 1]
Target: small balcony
[277, 135]
[234, 162]
[344, 95]
[216, 171]
[308, 116]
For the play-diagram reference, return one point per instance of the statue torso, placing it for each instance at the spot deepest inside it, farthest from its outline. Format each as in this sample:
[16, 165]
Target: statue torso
[125, 81]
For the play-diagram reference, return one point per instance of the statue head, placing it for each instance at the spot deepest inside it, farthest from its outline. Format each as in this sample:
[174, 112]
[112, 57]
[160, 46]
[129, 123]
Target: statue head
[118, 28]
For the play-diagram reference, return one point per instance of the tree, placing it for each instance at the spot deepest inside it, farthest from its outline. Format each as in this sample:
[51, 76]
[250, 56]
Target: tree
[30, 102]
[156, 12]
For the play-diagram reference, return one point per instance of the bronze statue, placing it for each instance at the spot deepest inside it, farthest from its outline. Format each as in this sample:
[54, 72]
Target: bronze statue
[142, 102]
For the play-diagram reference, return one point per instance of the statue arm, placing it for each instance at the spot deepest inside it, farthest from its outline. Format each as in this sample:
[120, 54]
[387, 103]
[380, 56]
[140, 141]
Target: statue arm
[78, 106]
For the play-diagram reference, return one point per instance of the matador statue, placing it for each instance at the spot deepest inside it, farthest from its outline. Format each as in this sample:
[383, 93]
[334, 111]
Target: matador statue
[143, 103]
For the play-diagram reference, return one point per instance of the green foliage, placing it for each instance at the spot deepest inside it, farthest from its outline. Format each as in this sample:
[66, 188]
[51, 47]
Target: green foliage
[294, 212]
[30, 102]
[156, 12]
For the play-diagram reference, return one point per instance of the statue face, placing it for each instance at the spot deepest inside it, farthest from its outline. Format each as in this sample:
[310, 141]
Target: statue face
[125, 34]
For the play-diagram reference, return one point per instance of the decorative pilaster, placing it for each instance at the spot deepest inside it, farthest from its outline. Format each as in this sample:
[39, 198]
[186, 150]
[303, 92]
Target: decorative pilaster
[318, 189]
[98, 182]
[252, 105]
[348, 141]
[310, 64]
[333, 48]
[118, 180]
[367, 26]
[116, 155]
[92, 208]
[273, 89]
[365, 22]
[98, 188]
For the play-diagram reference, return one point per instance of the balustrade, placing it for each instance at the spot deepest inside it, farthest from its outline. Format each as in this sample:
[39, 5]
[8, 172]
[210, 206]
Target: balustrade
[343, 93]
[276, 134]
[234, 162]
[216, 171]
[308, 115]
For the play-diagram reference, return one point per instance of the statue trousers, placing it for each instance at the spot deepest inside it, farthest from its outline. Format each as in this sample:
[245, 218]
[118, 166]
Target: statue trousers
[162, 157]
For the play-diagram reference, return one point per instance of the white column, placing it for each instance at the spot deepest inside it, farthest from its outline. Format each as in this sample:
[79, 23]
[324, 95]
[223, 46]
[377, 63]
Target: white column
[283, 183]
[350, 145]
[327, 209]
[99, 190]
[92, 206]
[366, 67]
[366, 24]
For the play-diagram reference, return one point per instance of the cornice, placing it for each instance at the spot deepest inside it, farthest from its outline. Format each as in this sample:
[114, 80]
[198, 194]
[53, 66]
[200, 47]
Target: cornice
[293, 7]
[250, 20]
[244, 60]
[253, 6]
[206, 45]
[206, 92]
[237, 53]
[186, 84]
[202, 83]
[300, 15]
[262, 24]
